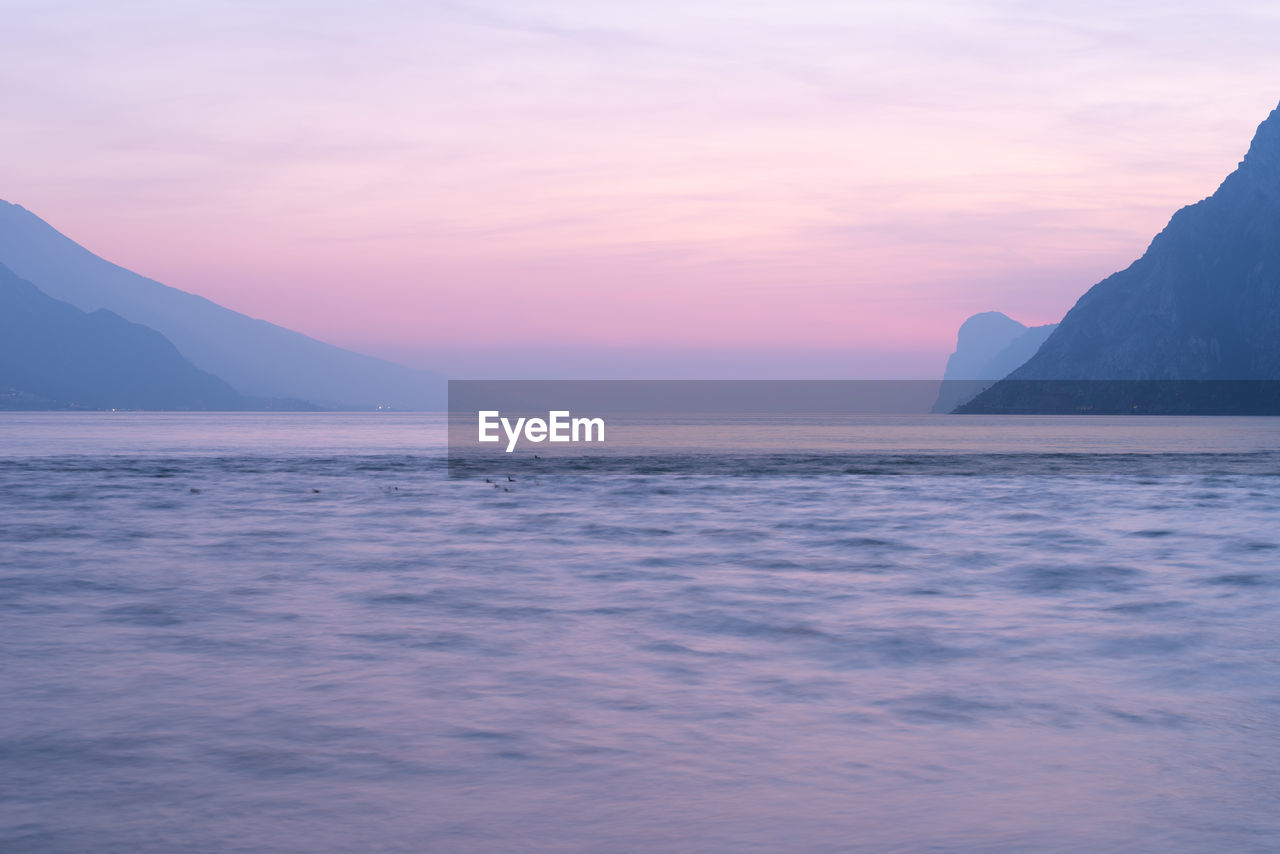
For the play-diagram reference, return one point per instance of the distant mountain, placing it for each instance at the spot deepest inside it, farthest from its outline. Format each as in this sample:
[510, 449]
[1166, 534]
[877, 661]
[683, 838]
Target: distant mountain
[1192, 325]
[1019, 350]
[980, 339]
[257, 358]
[55, 356]
[988, 346]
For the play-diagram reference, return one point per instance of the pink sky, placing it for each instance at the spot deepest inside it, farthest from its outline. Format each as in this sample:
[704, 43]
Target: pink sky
[764, 188]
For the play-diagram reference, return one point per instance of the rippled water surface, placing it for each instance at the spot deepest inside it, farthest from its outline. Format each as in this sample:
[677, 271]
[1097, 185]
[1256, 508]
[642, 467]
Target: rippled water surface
[297, 633]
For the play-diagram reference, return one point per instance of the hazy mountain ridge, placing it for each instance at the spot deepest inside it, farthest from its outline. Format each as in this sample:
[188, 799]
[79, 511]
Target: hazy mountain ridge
[1202, 305]
[257, 358]
[55, 356]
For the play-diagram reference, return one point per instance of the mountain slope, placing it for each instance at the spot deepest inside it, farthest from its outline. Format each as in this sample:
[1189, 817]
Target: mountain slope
[52, 355]
[1018, 351]
[1202, 304]
[256, 357]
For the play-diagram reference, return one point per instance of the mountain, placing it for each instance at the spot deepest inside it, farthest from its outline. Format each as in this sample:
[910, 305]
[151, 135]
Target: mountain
[1018, 351]
[1197, 315]
[54, 356]
[988, 346]
[980, 339]
[259, 359]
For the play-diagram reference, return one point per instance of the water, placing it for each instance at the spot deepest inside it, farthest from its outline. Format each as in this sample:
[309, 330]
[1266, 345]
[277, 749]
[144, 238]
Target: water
[952, 643]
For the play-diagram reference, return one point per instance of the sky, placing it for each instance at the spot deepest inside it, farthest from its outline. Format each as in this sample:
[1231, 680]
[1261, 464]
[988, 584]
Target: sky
[575, 188]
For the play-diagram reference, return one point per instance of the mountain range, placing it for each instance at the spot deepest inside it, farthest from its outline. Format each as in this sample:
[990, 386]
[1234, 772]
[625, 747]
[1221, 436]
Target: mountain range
[54, 356]
[262, 362]
[1191, 326]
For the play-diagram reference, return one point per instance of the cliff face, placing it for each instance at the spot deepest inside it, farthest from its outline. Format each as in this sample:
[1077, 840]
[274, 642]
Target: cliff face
[988, 346]
[1202, 304]
[980, 339]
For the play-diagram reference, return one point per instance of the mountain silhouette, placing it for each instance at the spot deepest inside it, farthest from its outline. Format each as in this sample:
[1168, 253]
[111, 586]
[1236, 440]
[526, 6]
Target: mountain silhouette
[259, 359]
[54, 356]
[988, 346]
[1192, 325]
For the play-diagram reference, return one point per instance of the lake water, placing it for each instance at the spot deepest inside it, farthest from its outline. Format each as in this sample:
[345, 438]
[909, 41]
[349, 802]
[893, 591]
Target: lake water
[299, 633]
